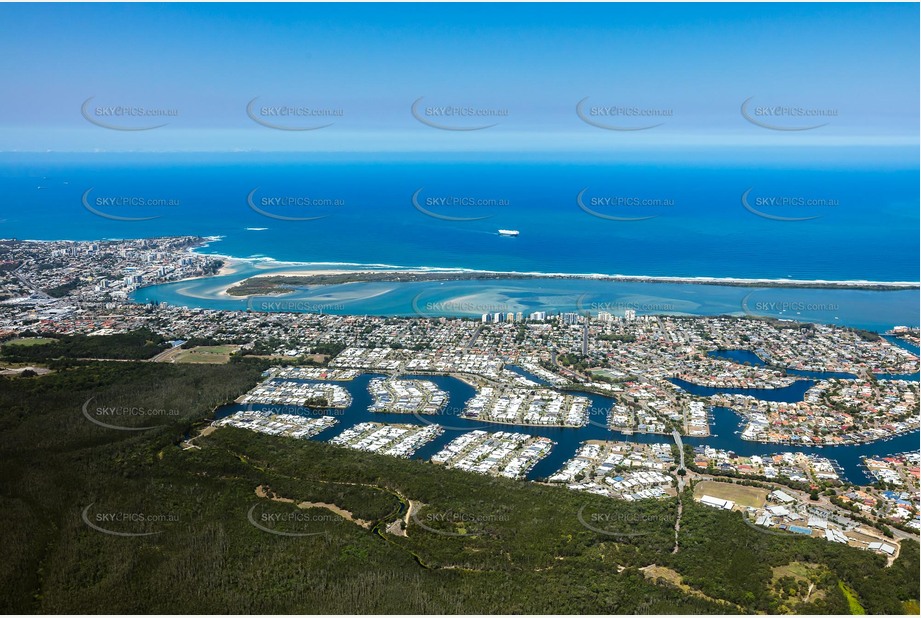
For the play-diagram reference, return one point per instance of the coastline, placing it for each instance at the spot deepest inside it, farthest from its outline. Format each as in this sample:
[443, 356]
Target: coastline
[421, 273]
[311, 269]
[498, 274]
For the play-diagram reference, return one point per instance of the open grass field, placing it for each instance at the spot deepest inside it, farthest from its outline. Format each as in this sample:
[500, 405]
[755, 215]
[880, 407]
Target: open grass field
[797, 570]
[214, 354]
[30, 341]
[744, 496]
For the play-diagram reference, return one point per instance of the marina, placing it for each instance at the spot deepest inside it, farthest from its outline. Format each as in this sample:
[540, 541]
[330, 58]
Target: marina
[502, 453]
[291, 393]
[725, 428]
[287, 425]
[406, 396]
[393, 440]
[620, 470]
[528, 406]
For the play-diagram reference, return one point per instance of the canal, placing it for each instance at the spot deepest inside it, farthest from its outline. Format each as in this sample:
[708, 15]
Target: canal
[725, 426]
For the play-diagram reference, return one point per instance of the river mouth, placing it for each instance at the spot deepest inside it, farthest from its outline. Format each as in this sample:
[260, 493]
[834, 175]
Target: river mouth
[872, 310]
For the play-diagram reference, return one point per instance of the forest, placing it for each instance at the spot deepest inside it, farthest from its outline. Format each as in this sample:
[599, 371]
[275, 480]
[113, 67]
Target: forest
[135, 345]
[77, 496]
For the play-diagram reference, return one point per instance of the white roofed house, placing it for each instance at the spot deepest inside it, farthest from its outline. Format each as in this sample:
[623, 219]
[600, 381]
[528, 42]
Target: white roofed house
[881, 547]
[781, 496]
[717, 502]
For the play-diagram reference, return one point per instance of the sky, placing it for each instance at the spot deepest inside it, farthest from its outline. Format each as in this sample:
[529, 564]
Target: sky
[518, 78]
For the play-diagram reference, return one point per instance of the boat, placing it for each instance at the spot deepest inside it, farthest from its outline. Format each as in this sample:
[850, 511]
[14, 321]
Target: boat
[508, 232]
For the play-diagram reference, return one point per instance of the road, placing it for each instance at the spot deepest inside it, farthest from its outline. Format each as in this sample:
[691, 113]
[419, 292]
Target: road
[35, 291]
[473, 339]
[166, 356]
[680, 444]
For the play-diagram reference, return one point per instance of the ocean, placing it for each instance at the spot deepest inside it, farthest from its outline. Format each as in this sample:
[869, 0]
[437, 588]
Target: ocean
[745, 219]
[682, 220]
[665, 219]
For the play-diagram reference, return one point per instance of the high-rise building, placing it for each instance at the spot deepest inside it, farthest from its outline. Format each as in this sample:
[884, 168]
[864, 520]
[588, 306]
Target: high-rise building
[569, 318]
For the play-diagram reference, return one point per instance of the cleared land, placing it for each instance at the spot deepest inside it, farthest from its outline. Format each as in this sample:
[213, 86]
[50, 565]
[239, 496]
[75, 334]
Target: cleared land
[740, 494]
[807, 575]
[30, 341]
[213, 354]
[655, 572]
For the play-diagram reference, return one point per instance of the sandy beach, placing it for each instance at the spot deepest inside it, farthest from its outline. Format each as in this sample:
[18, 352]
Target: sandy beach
[467, 273]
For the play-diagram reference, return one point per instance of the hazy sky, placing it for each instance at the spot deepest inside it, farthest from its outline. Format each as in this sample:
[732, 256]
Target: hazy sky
[687, 68]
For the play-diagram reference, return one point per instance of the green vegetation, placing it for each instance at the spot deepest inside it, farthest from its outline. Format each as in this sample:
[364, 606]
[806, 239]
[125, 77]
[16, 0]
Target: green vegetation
[136, 345]
[755, 480]
[283, 284]
[576, 362]
[854, 606]
[60, 291]
[195, 342]
[206, 354]
[514, 547]
[866, 335]
[740, 494]
[625, 338]
[798, 587]
[30, 341]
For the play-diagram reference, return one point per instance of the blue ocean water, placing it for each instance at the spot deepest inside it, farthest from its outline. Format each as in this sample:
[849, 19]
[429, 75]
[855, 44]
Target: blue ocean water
[873, 310]
[682, 220]
[859, 224]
